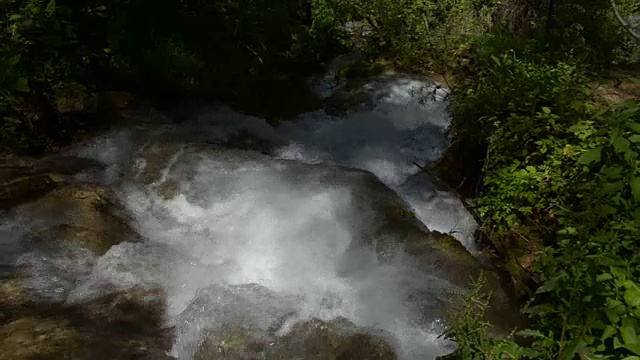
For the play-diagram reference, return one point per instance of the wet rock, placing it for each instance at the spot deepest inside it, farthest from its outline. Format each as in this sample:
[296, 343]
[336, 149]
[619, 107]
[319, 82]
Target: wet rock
[138, 309]
[337, 339]
[154, 159]
[229, 322]
[168, 189]
[442, 255]
[26, 180]
[233, 344]
[396, 231]
[35, 338]
[64, 165]
[246, 141]
[23, 190]
[344, 100]
[87, 215]
[124, 325]
[12, 299]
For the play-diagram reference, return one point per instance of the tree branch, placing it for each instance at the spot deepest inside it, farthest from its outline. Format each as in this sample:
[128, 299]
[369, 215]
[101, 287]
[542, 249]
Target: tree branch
[622, 22]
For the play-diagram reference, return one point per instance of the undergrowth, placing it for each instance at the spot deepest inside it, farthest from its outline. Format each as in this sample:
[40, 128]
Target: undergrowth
[569, 169]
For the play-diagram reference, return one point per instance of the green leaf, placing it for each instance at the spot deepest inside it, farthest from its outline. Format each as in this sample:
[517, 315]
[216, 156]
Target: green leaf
[613, 172]
[635, 188]
[612, 316]
[634, 138]
[590, 156]
[551, 284]
[628, 332]
[628, 112]
[632, 294]
[632, 358]
[634, 348]
[15, 17]
[608, 332]
[570, 351]
[14, 60]
[531, 333]
[621, 144]
[604, 277]
[22, 85]
[633, 126]
[543, 309]
[546, 110]
[51, 7]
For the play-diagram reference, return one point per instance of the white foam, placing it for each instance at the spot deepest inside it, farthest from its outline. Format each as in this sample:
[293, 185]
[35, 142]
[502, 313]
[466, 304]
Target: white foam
[260, 233]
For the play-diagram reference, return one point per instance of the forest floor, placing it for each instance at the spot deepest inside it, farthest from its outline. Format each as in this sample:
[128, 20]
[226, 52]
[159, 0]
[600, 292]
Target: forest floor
[621, 83]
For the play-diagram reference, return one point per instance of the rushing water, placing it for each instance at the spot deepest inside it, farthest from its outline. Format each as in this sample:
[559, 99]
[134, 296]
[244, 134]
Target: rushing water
[264, 240]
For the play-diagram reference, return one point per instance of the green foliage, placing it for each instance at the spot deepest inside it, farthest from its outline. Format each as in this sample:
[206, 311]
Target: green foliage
[419, 35]
[593, 269]
[560, 165]
[224, 49]
[467, 328]
[587, 32]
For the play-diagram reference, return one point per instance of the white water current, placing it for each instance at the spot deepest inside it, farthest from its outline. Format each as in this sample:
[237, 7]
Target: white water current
[261, 240]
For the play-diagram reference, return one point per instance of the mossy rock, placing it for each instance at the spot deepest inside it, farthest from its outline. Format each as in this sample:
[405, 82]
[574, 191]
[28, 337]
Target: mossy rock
[36, 338]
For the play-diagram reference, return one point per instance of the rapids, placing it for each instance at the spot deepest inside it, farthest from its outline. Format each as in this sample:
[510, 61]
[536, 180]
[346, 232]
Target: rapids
[271, 240]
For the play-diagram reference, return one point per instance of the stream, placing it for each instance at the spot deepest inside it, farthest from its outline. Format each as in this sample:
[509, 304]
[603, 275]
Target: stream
[266, 227]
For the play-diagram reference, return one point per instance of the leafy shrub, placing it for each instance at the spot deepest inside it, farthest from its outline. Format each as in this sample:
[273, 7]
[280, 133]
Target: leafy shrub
[558, 164]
